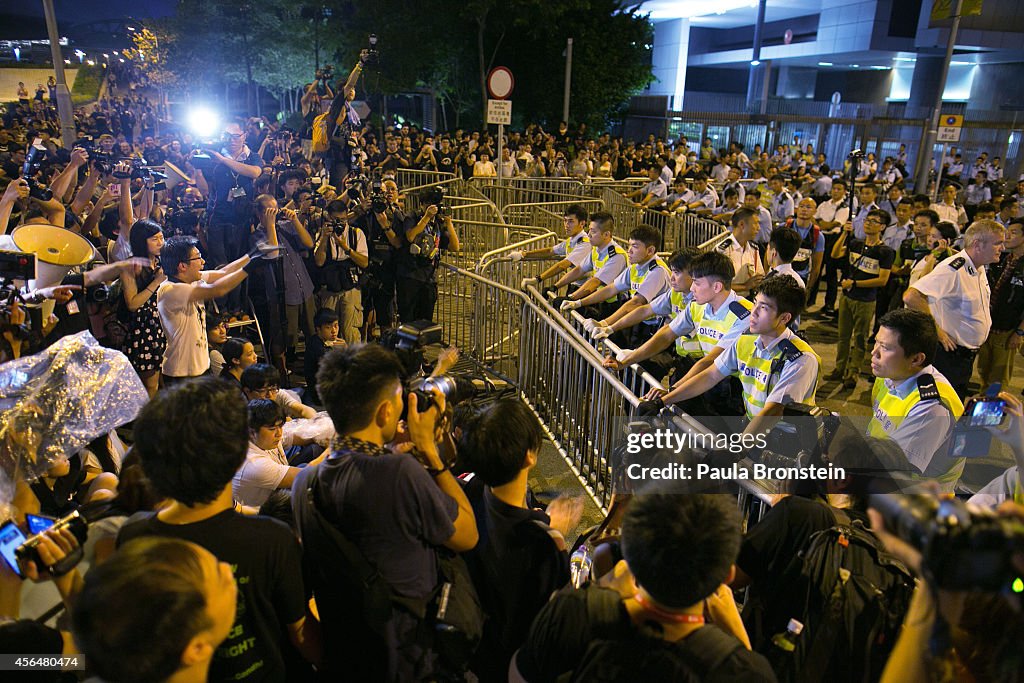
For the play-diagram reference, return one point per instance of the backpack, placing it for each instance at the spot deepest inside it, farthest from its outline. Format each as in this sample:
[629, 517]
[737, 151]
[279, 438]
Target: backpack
[857, 596]
[620, 652]
[321, 134]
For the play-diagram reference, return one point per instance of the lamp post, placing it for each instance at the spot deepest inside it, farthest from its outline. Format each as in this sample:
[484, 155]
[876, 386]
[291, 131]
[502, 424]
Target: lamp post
[67, 120]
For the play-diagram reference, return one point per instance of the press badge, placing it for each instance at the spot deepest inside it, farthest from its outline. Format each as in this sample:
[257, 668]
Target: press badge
[72, 307]
[236, 193]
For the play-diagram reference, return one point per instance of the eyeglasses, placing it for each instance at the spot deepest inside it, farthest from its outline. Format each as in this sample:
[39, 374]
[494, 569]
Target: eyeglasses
[234, 136]
[196, 258]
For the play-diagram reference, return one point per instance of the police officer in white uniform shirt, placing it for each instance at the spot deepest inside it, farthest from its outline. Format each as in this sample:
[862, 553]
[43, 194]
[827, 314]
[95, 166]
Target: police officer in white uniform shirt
[957, 294]
[746, 259]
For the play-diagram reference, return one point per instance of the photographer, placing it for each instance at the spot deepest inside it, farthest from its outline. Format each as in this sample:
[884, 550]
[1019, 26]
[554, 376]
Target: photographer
[416, 284]
[397, 510]
[382, 221]
[228, 187]
[312, 105]
[342, 256]
[955, 628]
[343, 124]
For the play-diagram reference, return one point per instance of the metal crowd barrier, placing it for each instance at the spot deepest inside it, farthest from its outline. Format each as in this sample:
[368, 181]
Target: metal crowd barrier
[411, 177]
[546, 214]
[518, 335]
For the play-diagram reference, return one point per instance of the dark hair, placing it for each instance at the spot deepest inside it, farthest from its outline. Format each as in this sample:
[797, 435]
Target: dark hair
[713, 264]
[882, 215]
[786, 292]
[177, 250]
[264, 412]
[192, 438]
[258, 376]
[840, 182]
[647, 234]
[325, 316]
[134, 490]
[141, 231]
[985, 207]
[153, 586]
[922, 199]
[232, 350]
[291, 174]
[930, 214]
[576, 210]
[214, 320]
[730, 192]
[869, 186]
[353, 381]
[494, 443]
[752, 192]
[604, 220]
[336, 206]
[778, 176]
[743, 214]
[681, 259]
[905, 202]
[700, 175]
[947, 230]
[787, 242]
[680, 548]
[1007, 204]
[915, 331]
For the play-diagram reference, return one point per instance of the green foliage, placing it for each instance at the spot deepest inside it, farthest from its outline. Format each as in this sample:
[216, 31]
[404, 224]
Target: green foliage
[87, 84]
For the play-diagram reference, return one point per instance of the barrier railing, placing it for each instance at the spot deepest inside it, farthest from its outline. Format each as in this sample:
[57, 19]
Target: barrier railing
[411, 177]
[547, 214]
[518, 335]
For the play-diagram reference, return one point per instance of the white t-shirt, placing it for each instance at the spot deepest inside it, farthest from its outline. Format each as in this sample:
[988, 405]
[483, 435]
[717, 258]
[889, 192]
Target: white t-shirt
[184, 323]
[259, 475]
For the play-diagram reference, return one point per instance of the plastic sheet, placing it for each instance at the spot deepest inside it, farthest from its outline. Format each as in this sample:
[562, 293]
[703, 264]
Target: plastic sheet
[55, 402]
[319, 429]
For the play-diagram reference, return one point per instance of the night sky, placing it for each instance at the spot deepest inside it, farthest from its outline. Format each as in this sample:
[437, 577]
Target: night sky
[80, 11]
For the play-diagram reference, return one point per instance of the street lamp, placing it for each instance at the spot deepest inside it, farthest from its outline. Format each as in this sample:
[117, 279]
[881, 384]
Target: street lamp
[80, 55]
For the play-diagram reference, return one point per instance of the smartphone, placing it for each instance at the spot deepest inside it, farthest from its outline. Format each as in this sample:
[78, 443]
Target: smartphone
[985, 411]
[11, 538]
[115, 190]
[37, 524]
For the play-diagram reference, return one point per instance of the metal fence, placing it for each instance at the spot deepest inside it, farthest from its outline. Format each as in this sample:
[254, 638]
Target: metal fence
[559, 373]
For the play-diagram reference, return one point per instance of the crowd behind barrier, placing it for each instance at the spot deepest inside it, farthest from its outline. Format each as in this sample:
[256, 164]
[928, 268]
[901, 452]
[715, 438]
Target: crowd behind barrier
[266, 257]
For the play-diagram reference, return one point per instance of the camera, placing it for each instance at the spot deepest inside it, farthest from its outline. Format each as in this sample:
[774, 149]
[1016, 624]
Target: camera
[33, 162]
[379, 201]
[29, 550]
[17, 265]
[338, 227]
[435, 196]
[963, 548]
[800, 440]
[98, 294]
[370, 55]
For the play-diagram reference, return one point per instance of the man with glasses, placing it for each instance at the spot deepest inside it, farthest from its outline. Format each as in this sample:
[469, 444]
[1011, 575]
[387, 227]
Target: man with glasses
[866, 264]
[263, 381]
[228, 188]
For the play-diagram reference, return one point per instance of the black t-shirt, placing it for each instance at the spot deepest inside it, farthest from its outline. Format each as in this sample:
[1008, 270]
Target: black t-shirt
[516, 567]
[155, 156]
[221, 180]
[1008, 294]
[770, 556]
[864, 264]
[381, 253]
[394, 513]
[563, 630]
[445, 160]
[431, 242]
[267, 563]
[315, 350]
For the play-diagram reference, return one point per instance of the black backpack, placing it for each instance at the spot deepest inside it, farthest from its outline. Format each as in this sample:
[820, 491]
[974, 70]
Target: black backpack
[857, 596]
[622, 653]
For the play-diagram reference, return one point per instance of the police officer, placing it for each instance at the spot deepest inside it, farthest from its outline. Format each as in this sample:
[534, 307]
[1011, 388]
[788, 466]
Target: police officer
[570, 251]
[773, 365]
[782, 205]
[913, 403]
[603, 263]
[1006, 280]
[704, 199]
[716, 317]
[422, 244]
[645, 280]
[830, 216]
[957, 293]
[746, 260]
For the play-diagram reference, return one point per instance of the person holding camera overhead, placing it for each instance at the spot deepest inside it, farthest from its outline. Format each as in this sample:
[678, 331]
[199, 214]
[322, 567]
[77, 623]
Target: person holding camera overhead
[342, 255]
[416, 285]
[343, 123]
[228, 185]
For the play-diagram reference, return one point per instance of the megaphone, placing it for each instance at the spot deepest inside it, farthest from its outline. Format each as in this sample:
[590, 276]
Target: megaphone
[175, 176]
[57, 251]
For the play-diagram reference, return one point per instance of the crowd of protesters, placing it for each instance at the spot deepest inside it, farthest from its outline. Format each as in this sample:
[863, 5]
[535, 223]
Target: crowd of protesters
[245, 550]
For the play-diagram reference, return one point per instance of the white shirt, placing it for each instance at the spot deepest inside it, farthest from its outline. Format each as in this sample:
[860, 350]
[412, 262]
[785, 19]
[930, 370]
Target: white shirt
[184, 323]
[787, 269]
[832, 210]
[953, 214]
[259, 475]
[745, 260]
[958, 293]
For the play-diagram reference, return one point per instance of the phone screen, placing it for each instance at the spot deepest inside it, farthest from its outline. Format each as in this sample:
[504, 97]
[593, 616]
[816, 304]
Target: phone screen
[37, 524]
[11, 538]
[987, 412]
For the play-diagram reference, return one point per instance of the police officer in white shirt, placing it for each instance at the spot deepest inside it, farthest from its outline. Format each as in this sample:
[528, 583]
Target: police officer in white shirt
[830, 216]
[957, 294]
[782, 205]
[746, 259]
[705, 199]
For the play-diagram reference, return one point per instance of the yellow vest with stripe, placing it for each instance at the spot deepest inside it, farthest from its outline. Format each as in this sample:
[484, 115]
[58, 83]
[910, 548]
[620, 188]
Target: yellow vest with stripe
[890, 410]
[709, 331]
[599, 262]
[568, 243]
[686, 346]
[1018, 491]
[635, 279]
[758, 376]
